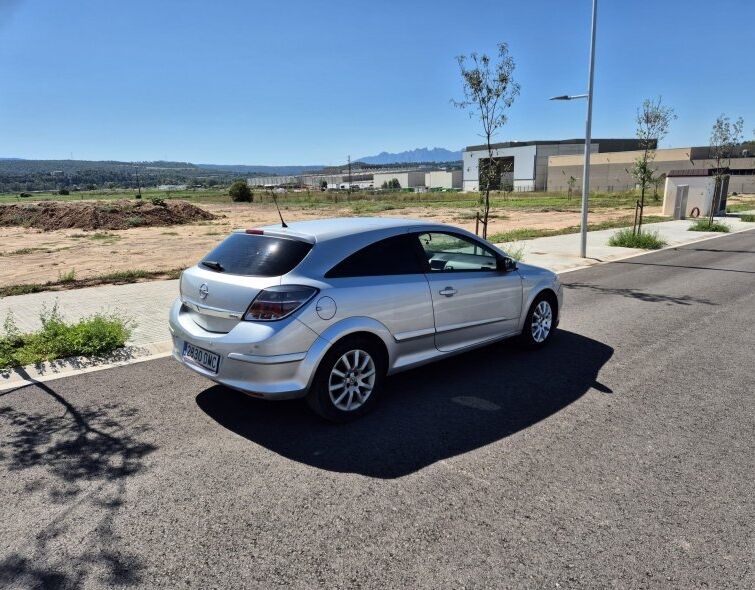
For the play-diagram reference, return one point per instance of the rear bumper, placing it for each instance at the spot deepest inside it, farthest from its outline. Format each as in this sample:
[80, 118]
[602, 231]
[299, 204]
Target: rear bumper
[276, 360]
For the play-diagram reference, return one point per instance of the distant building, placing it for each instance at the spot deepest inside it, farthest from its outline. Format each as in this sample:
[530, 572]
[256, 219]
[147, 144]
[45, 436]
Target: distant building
[407, 179]
[612, 171]
[523, 165]
[443, 179]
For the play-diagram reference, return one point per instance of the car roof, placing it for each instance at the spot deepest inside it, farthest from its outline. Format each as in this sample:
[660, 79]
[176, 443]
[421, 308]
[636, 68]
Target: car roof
[320, 230]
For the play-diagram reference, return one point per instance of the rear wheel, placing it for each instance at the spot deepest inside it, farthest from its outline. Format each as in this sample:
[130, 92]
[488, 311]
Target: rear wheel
[348, 381]
[539, 324]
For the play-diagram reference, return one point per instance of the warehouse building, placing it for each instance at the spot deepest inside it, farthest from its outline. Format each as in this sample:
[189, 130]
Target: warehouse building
[612, 171]
[523, 165]
[447, 179]
[406, 179]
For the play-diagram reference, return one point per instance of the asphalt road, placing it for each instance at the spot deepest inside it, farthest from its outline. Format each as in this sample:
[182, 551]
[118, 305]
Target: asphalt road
[621, 456]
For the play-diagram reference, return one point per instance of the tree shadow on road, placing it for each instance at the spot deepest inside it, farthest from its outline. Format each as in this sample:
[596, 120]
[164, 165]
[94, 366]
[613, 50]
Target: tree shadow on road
[641, 295]
[427, 415]
[79, 459]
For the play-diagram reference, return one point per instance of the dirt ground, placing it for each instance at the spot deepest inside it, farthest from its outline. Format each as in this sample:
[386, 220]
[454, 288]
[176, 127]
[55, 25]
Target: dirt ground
[34, 256]
[122, 214]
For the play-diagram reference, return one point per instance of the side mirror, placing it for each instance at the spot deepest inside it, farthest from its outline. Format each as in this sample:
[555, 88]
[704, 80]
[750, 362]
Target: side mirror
[506, 264]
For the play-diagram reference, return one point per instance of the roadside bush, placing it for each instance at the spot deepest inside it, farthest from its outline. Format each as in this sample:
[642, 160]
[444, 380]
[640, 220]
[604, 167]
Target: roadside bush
[644, 240]
[24, 195]
[515, 250]
[747, 217]
[134, 221]
[157, 202]
[94, 335]
[67, 277]
[64, 191]
[706, 225]
[240, 192]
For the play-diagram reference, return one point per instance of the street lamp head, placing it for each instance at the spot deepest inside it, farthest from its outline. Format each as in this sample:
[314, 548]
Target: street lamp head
[568, 96]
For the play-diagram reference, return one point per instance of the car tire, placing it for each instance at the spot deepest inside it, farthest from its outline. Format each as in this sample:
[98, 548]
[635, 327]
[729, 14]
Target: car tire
[349, 380]
[540, 323]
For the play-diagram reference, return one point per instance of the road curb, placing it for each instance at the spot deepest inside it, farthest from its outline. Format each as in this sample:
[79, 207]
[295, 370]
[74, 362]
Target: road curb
[19, 377]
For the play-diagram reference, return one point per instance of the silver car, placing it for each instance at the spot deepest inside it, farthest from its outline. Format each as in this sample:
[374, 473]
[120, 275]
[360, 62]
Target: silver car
[326, 309]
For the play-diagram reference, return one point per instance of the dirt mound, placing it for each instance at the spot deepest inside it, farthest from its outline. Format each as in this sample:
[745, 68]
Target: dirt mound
[123, 214]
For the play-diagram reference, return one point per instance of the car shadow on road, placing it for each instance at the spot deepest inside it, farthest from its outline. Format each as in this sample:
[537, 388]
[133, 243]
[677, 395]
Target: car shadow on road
[428, 414]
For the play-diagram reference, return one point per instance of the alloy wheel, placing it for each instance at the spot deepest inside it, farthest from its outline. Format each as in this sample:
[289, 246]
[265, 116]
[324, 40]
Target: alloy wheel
[542, 319]
[351, 380]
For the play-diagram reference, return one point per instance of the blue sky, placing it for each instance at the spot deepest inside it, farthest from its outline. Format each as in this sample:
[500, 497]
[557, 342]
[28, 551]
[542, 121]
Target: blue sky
[293, 82]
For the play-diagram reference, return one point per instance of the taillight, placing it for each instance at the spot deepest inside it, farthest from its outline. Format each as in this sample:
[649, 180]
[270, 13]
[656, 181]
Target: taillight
[275, 303]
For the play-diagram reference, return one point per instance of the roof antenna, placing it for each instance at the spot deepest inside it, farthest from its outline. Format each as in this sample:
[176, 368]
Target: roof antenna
[275, 200]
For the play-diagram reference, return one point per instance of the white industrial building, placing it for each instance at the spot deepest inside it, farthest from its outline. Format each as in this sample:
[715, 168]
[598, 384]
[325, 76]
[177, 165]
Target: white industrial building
[443, 179]
[406, 179]
[524, 164]
[438, 179]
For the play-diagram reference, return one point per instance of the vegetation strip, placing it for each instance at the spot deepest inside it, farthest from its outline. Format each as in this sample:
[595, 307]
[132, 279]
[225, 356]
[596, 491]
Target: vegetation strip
[527, 233]
[91, 336]
[707, 225]
[646, 240]
[68, 281]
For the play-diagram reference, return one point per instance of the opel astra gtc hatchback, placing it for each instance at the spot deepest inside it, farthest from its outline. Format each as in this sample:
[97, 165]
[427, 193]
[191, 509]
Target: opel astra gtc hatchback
[326, 309]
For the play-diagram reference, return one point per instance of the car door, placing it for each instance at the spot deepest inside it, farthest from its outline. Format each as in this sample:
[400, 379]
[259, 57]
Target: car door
[385, 281]
[473, 300]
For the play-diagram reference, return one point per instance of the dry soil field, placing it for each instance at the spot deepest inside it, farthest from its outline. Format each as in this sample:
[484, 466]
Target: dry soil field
[29, 255]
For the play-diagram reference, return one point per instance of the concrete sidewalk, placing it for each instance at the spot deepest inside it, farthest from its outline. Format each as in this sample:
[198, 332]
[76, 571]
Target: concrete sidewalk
[561, 253]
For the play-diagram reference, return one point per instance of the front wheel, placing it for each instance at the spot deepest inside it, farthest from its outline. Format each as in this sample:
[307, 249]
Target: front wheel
[349, 380]
[538, 326]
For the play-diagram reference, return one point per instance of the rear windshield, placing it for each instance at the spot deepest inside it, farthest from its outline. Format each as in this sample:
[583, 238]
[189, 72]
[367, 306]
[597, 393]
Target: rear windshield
[253, 255]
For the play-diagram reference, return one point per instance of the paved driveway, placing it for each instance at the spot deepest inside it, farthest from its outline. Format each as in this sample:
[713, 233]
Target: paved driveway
[620, 456]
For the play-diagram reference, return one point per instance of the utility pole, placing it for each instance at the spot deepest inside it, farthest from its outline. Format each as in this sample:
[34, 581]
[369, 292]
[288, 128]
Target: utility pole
[349, 159]
[588, 134]
[138, 185]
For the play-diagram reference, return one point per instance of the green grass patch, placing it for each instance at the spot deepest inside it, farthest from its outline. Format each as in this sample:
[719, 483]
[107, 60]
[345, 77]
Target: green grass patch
[745, 204]
[65, 282]
[706, 225]
[647, 240]
[749, 217]
[528, 233]
[22, 251]
[514, 249]
[92, 336]
[67, 277]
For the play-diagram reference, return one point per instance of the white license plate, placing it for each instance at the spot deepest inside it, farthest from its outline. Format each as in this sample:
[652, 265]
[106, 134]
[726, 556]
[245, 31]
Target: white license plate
[200, 356]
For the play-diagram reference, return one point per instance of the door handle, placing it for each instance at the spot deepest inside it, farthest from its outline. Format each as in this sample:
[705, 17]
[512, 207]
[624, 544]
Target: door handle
[448, 291]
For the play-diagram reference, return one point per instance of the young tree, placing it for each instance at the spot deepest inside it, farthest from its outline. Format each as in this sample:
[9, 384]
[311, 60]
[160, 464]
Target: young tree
[657, 181]
[489, 91]
[725, 137]
[653, 122]
[571, 183]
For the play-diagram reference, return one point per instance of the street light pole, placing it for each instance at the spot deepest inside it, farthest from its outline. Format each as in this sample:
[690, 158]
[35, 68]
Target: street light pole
[588, 136]
[588, 133]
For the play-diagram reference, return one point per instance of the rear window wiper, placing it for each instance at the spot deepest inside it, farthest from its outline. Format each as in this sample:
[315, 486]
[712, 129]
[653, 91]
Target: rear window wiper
[213, 264]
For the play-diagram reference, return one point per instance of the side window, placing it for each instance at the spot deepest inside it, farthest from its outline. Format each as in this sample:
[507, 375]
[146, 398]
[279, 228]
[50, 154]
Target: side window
[456, 253]
[397, 255]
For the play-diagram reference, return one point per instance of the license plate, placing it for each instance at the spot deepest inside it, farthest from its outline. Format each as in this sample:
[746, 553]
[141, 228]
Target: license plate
[200, 356]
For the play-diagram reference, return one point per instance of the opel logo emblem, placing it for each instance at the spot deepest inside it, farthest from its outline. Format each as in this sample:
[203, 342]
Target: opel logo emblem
[204, 291]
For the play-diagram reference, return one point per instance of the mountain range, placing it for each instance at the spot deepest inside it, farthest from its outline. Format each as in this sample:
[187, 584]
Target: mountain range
[415, 156]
